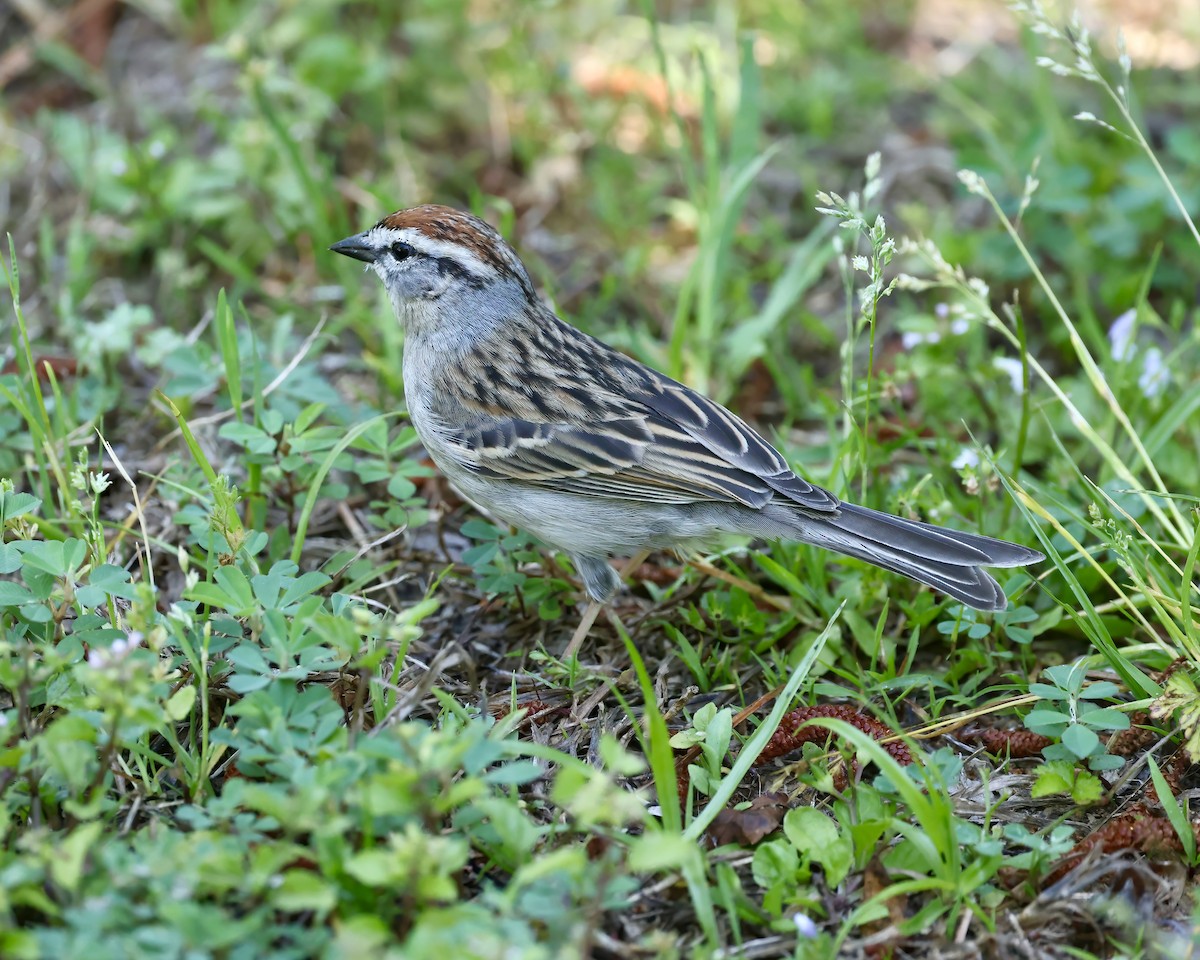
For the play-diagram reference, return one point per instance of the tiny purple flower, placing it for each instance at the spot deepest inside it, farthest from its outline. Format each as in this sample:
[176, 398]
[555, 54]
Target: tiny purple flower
[1120, 335]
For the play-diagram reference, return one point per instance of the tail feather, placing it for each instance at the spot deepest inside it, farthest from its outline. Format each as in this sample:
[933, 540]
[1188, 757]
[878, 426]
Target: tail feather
[944, 559]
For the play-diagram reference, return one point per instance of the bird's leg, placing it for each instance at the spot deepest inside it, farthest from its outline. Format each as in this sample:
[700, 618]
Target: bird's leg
[594, 607]
[633, 563]
[585, 624]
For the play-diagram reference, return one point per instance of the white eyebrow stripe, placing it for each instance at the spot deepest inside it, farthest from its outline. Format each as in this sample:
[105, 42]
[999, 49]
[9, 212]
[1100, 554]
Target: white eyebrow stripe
[440, 249]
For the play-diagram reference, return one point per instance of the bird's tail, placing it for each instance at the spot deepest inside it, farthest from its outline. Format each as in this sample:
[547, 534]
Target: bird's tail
[946, 560]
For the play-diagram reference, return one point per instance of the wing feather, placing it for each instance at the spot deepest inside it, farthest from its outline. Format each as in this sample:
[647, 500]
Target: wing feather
[619, 430]
[731, 440]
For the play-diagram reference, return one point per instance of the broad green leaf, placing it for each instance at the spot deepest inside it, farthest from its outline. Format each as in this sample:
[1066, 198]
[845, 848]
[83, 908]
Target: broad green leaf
[13, 594]
[179, 706]
[659, 850]
[66, 864]
[817, 838]
[1080, 740]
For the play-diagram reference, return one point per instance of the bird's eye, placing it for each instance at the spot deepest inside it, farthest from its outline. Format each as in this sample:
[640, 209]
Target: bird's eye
[402, 251]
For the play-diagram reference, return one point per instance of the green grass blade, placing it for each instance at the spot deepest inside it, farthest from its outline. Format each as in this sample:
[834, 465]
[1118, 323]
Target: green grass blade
[758, 740]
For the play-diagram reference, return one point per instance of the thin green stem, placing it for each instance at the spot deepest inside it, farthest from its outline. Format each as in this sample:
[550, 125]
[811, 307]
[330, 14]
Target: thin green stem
[1175, 524]
[1148, 150]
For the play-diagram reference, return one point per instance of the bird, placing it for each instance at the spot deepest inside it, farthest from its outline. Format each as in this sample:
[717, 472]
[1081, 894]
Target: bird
[597, 455]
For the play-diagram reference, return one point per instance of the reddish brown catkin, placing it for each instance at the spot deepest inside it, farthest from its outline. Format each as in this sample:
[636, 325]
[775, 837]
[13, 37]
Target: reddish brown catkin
[1132, 831]
[1018, 744]
[788, 737]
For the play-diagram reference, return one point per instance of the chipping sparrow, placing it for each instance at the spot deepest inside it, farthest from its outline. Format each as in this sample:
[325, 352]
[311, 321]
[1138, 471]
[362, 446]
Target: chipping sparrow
[592, 452]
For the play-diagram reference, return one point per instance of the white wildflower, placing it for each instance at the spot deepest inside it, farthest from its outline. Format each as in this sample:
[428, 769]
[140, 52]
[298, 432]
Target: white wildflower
[967, 457]
[1012, 367]
[180, 614]
[910, 339]
[805, 926]
[973, 182]
[97, 659]
[1155, 376]
[1120, 335]
[959, 326]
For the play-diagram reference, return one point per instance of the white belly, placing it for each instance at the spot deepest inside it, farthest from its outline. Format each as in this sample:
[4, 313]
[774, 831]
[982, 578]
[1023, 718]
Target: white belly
[594, 526]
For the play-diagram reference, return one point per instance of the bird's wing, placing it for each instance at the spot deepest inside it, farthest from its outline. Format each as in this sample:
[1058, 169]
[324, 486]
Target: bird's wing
[635, 457]
[640, 437]
[721, 436]
[611, 427]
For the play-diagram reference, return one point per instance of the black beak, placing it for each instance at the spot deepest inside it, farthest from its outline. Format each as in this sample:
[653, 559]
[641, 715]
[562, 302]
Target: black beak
[355, 247]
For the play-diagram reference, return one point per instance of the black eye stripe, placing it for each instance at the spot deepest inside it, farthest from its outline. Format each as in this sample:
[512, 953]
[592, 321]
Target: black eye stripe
[402, 251]
[453, 268]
